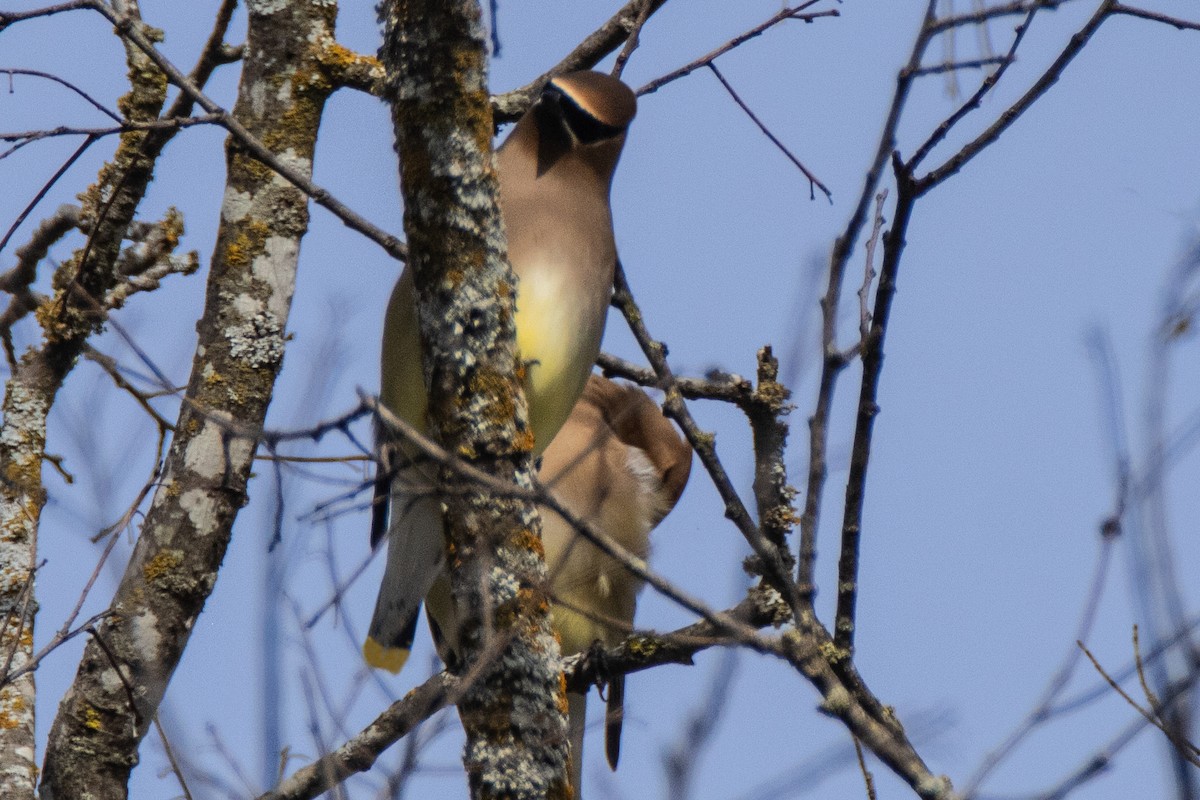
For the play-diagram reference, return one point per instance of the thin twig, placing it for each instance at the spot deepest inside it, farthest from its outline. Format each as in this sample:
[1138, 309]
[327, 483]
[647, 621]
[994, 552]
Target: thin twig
[604, 40]
[632, 41]
[170, 751]
[985, 15]
[346, 459]
[9, 17]
[722, 387]
[1184, 747]
[1017, 109]
[1099, 762]
[833, 358]
[319, 195]
[24, 138]
[757, 30]
[977, 98]
[46, 187]
[339, 592]
[18, 613]
[1141, 13]
[35, 661]
[813, 180]
[868, 778]
[868, 409]
[1044, 709]
[958, 66]
[703, 443]
[11, 71]
[113, 370]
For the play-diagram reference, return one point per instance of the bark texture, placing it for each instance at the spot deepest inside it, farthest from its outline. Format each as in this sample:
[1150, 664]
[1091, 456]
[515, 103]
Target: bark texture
[67, 320]
[126, 666]
[434, 54]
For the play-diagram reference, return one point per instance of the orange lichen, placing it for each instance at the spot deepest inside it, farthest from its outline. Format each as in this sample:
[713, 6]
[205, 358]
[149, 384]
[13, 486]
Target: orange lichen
[91, 719]
[162, 565]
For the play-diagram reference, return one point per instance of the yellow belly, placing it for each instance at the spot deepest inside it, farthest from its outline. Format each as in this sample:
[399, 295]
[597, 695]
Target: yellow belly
[559, 349]
[556, 334]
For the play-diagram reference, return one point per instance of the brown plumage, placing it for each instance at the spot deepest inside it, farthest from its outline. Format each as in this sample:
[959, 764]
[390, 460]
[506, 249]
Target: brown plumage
[555, 170]
[617, 461]
[619, 464]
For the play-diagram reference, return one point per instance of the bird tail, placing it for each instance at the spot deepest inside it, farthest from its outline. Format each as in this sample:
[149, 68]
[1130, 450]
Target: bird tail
[415, 556]
[614, 715]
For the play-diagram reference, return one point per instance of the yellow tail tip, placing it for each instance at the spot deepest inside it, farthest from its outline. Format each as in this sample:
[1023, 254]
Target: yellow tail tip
[390, 658]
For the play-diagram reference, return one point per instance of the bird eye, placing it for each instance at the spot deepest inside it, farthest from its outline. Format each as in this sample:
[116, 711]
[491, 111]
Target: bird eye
[582, 124]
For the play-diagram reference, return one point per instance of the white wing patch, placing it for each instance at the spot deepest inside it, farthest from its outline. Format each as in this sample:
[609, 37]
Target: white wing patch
[646, 474]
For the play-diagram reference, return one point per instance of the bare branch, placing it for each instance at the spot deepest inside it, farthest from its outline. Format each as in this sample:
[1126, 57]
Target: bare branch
[11, 71]
[604, 40]
[170, 751]
[864, 291]
[44, 191]
[977, 98]
[794, 13]
[771, 556]
[726, 388]
[1014, 8]
[360, 753]
[1175, 22]
[958, 66]
[631, 42]
[1183, 747]
[868, 408]
[639, 652]
[1044, 710]
[1017, 109]
[23, 138]
[834, 360]
[868, 778]
[253, 145]
[813, 180]
[108, 208]
[241, 337]
[9, 17]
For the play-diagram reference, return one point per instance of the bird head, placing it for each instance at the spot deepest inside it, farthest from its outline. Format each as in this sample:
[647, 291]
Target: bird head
[585, 114]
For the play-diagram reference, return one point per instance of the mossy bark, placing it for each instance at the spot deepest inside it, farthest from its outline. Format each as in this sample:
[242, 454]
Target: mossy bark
[434, 54]
[125, 669]
[67, 319]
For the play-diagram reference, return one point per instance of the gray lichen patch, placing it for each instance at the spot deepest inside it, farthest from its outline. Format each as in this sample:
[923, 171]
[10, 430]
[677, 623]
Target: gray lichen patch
[276, 269]
[257, 342]
[210, 452]
[145, 634]
[235, 205]
[201, 508]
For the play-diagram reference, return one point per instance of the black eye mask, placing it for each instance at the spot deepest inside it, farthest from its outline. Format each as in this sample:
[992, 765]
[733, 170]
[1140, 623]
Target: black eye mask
[582, 125]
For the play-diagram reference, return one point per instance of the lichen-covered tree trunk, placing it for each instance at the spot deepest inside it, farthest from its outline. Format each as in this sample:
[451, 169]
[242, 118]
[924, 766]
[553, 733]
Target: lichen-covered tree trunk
[67, 320]
[435, 56]
[126, 666]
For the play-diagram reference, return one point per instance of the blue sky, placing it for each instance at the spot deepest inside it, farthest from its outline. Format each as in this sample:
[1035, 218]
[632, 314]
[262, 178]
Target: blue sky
[992, 463]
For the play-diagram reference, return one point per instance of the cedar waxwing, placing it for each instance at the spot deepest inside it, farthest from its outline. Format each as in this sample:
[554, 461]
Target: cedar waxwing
[555, 171]
[619, 464]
